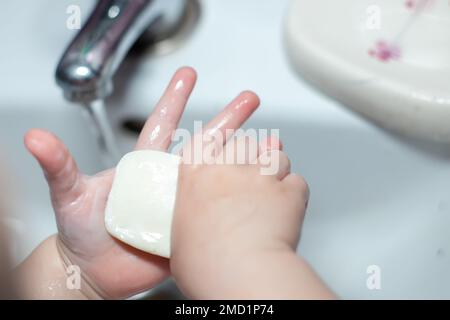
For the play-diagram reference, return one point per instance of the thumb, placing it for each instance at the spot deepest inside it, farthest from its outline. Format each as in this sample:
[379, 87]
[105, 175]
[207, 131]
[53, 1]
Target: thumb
[60, 169]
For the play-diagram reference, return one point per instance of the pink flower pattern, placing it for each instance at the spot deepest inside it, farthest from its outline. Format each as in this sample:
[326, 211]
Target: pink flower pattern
[385, 51]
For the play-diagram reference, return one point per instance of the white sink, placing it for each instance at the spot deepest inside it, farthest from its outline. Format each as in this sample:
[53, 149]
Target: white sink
[377, 199]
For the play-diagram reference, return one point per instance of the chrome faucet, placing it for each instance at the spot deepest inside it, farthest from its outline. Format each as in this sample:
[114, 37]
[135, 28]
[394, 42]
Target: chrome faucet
[88, 65]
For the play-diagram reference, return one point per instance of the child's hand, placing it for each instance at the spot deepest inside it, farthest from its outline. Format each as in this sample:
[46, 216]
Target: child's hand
[235, 230]
[109, 267]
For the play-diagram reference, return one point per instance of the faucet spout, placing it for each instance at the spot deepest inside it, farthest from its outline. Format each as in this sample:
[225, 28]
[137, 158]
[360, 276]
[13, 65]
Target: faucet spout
[88, 65]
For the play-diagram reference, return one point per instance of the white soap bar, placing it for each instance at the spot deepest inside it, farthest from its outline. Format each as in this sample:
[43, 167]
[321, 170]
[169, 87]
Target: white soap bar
[141, 202]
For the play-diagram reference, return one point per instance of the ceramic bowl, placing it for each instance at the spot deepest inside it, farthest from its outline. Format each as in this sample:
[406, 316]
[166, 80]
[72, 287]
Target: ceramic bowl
[388, 60]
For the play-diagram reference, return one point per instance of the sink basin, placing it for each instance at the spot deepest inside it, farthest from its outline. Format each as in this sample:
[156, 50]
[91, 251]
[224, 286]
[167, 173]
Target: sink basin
[387, 60]
[377, 198]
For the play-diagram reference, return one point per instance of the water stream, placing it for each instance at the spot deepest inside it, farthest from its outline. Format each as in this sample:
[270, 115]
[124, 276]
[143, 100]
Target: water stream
[101, 125]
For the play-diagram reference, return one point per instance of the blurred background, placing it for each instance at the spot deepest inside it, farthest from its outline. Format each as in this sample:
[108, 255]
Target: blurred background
[377, 197]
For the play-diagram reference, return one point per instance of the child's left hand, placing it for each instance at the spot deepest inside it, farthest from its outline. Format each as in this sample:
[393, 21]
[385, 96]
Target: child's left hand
[110, 268]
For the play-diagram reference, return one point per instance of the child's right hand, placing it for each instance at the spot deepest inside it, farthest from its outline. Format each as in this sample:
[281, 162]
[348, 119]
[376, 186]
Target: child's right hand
[235, 230]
